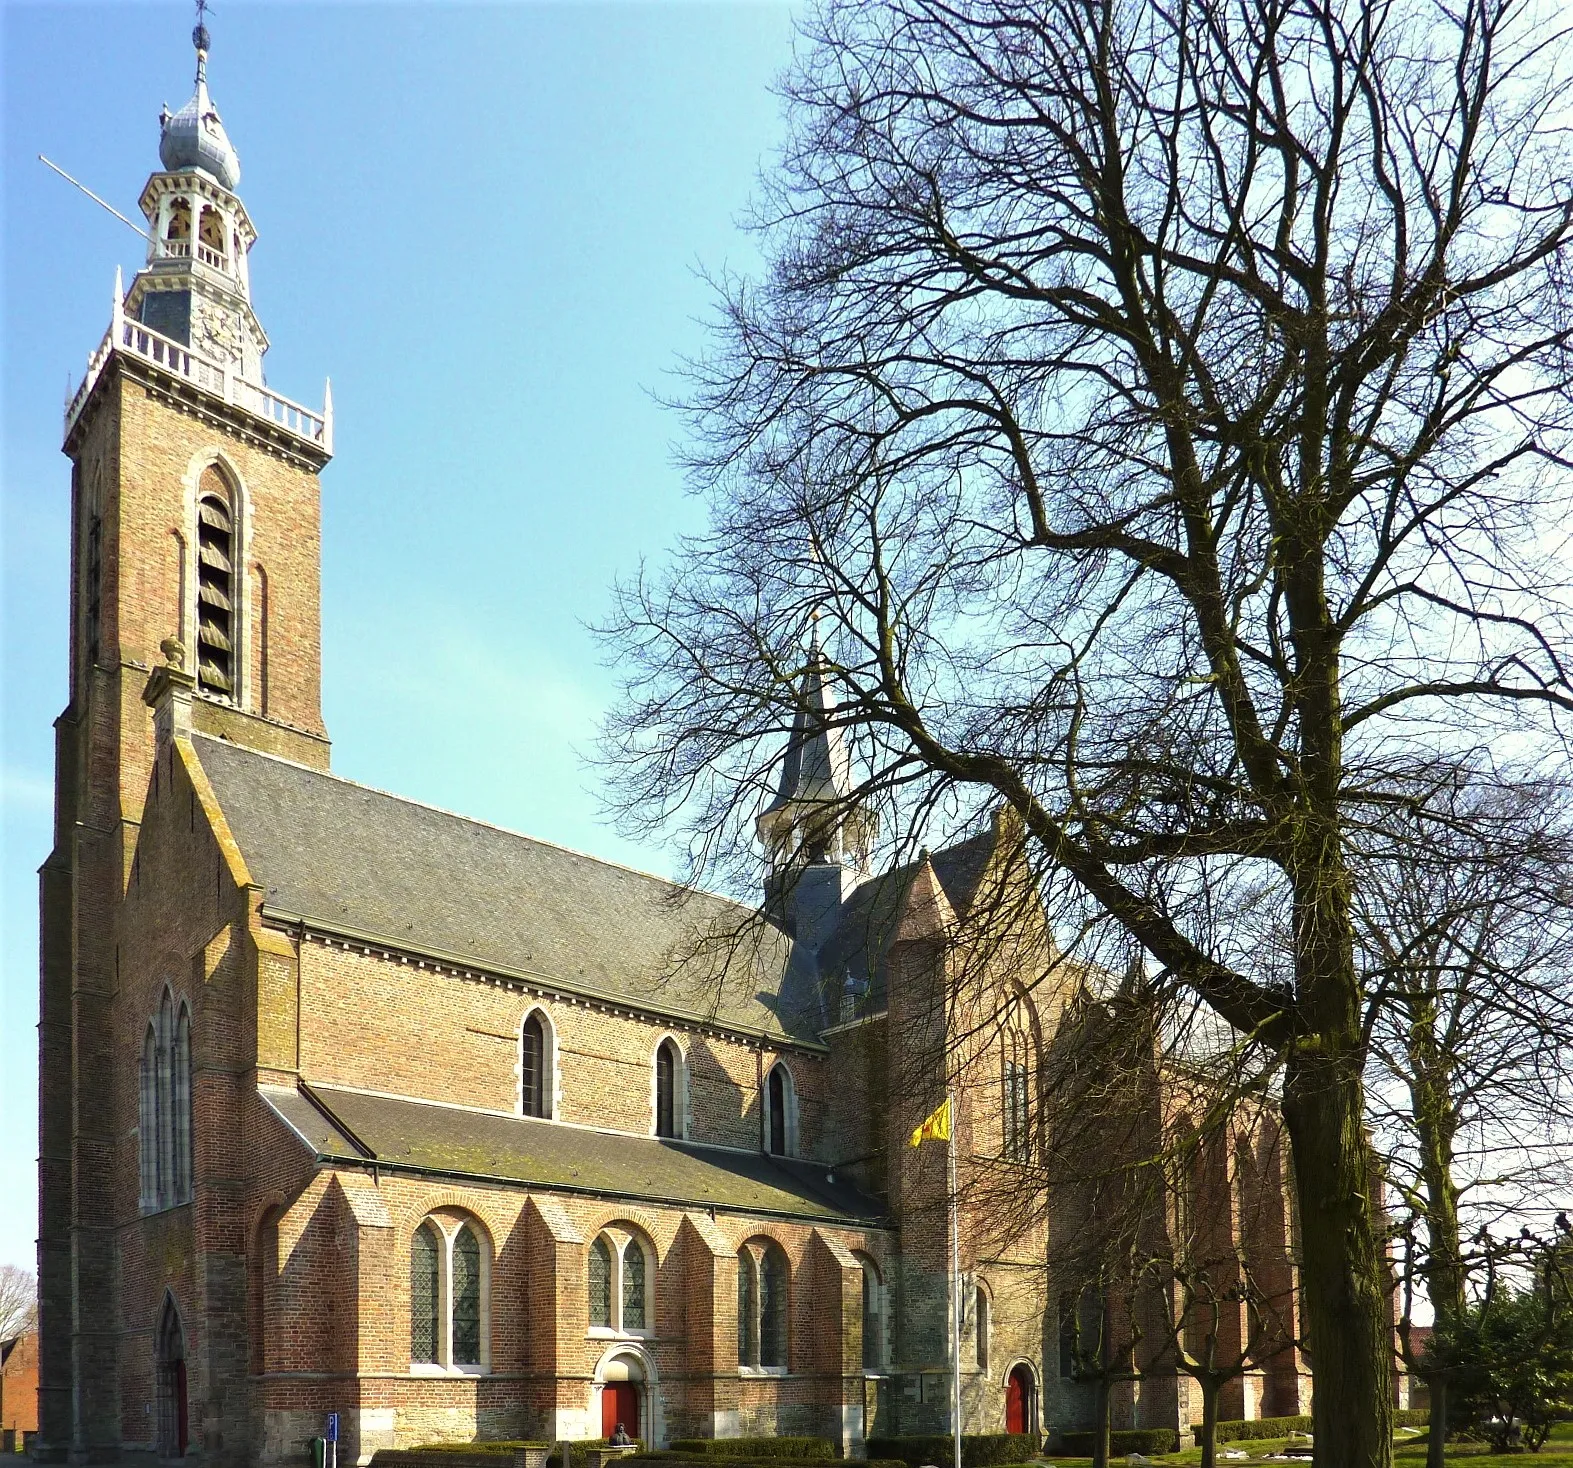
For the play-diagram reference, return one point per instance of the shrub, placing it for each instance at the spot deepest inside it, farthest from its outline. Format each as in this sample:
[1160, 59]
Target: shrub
[1235, 1431]
[670, 1457]
[1124, 1440]
[500, 1449]
[978, 1450]
[1412, 1417]
[755, 1447]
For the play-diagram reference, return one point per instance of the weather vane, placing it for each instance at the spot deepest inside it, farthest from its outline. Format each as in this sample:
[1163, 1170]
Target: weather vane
[201, 40]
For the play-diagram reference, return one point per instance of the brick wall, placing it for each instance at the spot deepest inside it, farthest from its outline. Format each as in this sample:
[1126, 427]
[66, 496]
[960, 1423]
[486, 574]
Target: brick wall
[19, 1387]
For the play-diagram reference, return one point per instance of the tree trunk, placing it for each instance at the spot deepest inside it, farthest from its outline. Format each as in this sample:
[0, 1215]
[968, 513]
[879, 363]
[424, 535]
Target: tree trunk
[1208, 1438]
[1435, 1112]
[1436, 1436]
[1100, 1433]
[1343, 1274]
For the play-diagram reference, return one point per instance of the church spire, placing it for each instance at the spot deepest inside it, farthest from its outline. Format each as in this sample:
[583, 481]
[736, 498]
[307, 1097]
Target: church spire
[815, 830]
[196, 286]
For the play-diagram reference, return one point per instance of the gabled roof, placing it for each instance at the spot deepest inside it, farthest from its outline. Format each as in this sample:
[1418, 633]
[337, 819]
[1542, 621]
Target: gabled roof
[356, 860]
[868, 920]
[383, 1131]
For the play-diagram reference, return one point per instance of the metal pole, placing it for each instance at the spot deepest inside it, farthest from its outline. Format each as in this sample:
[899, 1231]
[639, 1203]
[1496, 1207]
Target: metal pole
[955, 1275]
[135, 228]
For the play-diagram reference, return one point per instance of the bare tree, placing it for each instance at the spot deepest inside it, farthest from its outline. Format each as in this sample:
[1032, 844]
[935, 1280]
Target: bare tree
[1465, 940]
[1162, 408]
[18, 1301]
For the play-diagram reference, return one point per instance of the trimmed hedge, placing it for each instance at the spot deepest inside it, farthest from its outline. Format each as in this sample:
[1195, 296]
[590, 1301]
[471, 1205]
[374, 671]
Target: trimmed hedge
[671, 1458]
[1123, 1440]
[1236, 1431]
[1412, 1417]
[978, 1450]
[754, 1447]
[492, 1447]
[686, 1460]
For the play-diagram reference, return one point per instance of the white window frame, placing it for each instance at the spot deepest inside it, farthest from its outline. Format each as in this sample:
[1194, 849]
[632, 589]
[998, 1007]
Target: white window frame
[447, 1232]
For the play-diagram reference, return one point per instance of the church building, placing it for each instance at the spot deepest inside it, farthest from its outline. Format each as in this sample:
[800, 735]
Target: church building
[352, 1105]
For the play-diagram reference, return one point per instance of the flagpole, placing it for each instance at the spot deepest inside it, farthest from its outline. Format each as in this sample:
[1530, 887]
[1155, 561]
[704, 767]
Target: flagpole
[955, 1275]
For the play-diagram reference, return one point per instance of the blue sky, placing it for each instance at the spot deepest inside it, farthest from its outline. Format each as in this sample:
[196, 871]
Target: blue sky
[483, 222]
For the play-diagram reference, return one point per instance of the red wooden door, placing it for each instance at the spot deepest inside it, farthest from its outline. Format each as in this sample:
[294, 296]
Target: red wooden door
[619, 1403]
[1016, 1390]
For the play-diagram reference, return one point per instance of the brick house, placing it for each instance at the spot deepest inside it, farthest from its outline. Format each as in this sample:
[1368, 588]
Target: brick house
[353, 1105]
[18, 1391]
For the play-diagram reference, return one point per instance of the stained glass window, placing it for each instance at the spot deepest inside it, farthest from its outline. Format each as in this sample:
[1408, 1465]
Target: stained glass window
[181, 1120]
[633, 1286]
[773, 1307]
[747, 1317]
[424, 1292]
[147, 1120]
[466, 1298]
[600, 1283]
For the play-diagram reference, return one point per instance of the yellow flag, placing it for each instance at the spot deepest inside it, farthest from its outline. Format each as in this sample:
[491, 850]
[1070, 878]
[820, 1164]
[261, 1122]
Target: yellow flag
[935, 1128]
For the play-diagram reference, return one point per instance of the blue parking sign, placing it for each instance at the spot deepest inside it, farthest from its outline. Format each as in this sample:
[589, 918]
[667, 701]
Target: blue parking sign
[333, 1427]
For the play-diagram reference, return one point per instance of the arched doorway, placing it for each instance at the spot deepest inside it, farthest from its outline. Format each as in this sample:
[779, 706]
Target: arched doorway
[1020, 1408]
[171, 1367]
[623, 1396]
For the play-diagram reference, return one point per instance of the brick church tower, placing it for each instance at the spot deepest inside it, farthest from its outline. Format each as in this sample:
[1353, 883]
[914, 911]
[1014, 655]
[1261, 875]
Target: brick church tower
[194, 521]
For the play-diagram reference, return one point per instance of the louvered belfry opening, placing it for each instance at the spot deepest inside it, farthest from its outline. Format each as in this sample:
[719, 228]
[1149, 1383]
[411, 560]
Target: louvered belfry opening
[215, 588]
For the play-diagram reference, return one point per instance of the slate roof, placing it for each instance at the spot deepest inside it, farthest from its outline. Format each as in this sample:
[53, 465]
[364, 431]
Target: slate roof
[867, 923]
[350, 1126]
[357, 860]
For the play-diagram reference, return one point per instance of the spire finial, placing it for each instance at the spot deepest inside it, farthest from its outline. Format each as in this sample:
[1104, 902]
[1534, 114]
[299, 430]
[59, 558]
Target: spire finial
[202, 41]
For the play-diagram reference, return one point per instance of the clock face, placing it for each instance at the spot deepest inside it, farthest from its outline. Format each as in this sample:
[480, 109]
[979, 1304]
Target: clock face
[216, 332]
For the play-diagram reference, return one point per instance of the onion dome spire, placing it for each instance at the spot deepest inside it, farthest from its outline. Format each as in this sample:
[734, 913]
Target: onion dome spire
[194, 137]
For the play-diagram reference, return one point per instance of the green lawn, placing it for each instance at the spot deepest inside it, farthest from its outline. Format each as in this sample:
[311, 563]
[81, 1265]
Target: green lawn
[1409, 1446]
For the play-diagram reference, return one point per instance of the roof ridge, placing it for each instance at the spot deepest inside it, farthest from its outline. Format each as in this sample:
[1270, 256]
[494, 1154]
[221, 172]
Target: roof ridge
[443, 810]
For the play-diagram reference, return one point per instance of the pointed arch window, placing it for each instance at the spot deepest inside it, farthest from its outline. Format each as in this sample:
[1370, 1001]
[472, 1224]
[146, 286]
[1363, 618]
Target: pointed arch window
[147, 1119]
[164, 1123]
[535, 1067]
[601, 1283]
[634, 1299]
[1016, 1096]
[780, 1112]
[873, 1316]
[763, 1289]
[621, 1265]
[215, 587]
[665, 1090]
[466, 1298]
[425, 1293]
[981, 1325]
[450, 1283]
[773, 1274]
[180, 1119]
